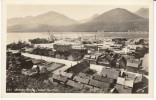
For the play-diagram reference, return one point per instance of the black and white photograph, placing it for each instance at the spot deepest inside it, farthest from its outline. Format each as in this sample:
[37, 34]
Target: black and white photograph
[95, 49]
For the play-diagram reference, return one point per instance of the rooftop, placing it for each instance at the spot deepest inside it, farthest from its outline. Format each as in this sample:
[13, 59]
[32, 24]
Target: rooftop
[110, 73]
[99, 84]
[82, 80]
[69, 75]
[120, 81]
[103, 79]
[82, 75]
[75, 84]
[122, 89]
[78, 67]
[59, 78]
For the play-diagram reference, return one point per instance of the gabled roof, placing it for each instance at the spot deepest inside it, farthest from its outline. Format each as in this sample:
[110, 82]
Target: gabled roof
[82, 75]
[88, 86]
[78, 67]
[75, 84]
[125, 82]
[82, 80]
[93, 83]
[129, 82]
[99, 84]
[120, 81]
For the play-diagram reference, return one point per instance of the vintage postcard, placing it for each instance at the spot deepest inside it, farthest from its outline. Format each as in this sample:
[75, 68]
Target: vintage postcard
[82, 48]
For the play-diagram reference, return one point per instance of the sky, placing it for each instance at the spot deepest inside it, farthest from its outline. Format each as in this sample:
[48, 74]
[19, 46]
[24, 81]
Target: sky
[76, 12]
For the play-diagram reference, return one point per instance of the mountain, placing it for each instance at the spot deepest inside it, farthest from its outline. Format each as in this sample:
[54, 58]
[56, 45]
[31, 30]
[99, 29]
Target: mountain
[18, 20]
[115, 20]
[14, 21]
[49, 18]
[143, 12]
[117, 15]
[118, 20]
[88, 19]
